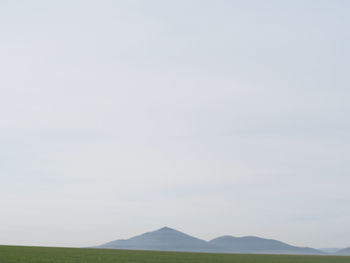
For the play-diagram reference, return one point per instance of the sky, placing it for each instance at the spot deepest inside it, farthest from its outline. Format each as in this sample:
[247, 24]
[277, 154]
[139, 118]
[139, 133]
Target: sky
[213, 117]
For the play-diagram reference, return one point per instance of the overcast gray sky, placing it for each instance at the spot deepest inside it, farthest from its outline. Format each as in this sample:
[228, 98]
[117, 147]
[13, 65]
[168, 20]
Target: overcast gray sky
[212, 117]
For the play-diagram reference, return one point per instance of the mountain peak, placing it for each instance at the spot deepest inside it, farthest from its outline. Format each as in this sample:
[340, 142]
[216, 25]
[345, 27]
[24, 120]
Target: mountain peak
[166, 229]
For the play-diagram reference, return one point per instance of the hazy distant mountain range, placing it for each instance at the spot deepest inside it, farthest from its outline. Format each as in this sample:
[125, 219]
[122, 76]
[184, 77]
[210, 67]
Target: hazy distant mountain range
[330, 250]
[167, 239]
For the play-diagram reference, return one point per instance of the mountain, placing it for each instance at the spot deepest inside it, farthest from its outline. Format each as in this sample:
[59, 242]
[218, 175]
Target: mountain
[168, 239]
[343, 252]
[251, 244]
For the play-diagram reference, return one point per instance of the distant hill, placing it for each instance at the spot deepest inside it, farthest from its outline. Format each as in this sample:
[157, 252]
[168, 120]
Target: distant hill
[343, 252]
[168, 239]
[251, 244]
[163, 239]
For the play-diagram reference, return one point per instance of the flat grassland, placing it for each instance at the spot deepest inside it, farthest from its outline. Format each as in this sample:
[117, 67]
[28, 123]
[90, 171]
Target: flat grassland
[17, 254]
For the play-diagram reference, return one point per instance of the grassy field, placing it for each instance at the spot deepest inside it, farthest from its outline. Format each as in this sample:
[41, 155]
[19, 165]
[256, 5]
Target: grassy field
[12, 254]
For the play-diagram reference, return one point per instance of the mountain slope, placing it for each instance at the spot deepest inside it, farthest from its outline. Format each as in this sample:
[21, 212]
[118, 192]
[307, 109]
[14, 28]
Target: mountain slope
[251, 244]
[163, 239]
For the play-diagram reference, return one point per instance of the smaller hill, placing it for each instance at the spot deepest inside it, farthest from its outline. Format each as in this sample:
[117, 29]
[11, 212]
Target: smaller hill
[251, 244]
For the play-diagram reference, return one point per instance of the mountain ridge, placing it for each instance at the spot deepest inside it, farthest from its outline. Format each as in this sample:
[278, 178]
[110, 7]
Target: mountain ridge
[169, 239]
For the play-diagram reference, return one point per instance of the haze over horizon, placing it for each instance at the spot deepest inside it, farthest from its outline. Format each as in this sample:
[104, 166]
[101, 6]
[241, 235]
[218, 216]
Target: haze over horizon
[210, 117]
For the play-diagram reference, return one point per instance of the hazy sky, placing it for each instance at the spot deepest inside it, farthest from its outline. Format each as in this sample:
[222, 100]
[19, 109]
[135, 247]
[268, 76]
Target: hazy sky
[211, 117]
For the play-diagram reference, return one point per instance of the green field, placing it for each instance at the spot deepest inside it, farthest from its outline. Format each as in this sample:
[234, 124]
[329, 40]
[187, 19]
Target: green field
[12, 254]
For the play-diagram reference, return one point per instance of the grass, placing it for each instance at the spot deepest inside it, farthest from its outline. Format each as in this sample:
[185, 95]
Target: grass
[17, 254]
